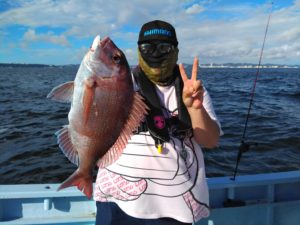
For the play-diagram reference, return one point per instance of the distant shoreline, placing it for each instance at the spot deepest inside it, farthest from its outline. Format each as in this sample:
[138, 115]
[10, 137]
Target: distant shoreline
[212, 65]
[250, 66]
[31, 65]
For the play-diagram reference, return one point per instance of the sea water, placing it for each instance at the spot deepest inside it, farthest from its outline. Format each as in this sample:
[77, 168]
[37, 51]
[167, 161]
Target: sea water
[28, 120]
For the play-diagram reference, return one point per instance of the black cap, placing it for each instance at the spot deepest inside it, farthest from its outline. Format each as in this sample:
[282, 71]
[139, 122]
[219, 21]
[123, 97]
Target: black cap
[157, 30]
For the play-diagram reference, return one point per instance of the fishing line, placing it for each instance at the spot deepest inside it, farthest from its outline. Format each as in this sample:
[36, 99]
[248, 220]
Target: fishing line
[245, 146]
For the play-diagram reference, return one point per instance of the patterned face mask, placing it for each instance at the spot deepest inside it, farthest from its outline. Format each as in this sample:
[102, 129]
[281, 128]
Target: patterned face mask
[162, 73]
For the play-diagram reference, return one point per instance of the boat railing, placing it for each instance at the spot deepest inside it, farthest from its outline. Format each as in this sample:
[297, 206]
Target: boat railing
[266, 199]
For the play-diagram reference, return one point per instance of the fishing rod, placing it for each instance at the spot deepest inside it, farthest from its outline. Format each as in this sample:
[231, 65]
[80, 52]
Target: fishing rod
[245, 146]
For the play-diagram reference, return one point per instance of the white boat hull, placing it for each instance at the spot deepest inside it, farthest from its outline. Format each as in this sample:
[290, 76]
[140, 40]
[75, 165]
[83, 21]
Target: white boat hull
[266, 199]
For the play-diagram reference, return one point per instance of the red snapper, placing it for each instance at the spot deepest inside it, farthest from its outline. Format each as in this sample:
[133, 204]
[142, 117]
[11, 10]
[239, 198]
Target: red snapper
[105, 110]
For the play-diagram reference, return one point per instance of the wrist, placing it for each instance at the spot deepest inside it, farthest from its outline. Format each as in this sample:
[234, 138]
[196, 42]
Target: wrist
[195, 109]
[196, 114]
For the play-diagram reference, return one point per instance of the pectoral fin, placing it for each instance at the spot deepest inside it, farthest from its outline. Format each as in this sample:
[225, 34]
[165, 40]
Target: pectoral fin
[88, 98]
[63, 92]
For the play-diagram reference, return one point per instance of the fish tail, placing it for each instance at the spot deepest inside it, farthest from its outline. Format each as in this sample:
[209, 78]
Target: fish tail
[82, 182]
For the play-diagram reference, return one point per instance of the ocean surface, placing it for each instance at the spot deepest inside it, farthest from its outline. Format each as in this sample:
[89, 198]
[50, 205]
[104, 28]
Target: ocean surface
[28, 121]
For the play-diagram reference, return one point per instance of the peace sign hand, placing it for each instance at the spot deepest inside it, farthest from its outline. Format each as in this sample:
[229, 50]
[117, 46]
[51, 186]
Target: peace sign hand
[192, 94]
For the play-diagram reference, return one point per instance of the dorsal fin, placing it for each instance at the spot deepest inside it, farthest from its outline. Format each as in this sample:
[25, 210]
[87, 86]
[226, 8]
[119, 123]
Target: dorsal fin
[62, 92]
[138, 111]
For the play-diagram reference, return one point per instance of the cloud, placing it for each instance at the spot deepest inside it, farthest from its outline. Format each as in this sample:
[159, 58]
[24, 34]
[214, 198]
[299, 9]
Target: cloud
[212, 29]
[85, 18]
[194, 9]
[31, 36]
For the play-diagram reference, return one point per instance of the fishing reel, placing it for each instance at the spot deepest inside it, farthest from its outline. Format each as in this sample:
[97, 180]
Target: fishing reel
[244, 147]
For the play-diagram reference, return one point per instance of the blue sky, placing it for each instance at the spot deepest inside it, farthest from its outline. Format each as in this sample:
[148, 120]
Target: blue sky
[217, 31]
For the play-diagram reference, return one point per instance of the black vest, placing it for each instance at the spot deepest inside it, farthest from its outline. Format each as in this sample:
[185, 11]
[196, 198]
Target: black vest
[178, 125]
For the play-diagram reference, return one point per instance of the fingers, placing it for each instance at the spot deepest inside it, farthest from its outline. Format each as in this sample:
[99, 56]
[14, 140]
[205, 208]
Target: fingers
[197, 89]
[182, 72]
[197, 85]
[195, 68]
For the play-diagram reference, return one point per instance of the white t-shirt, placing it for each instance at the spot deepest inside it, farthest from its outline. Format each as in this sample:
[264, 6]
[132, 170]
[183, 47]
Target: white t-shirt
[148, 184]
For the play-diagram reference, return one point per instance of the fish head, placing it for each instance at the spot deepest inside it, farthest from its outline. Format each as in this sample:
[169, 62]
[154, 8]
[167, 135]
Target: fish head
[106, 60]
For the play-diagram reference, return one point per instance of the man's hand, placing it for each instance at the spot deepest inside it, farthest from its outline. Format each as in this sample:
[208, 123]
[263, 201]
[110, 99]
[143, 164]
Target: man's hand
[192, 94]
[206, 131]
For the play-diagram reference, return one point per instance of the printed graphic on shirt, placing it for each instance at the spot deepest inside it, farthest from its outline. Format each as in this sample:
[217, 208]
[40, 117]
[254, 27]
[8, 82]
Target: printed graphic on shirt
[143, 171]
[113, 185]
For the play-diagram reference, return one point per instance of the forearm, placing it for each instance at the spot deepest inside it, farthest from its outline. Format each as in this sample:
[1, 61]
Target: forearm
[206, 131]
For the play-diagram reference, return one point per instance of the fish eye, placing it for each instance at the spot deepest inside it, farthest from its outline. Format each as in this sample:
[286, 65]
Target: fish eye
[116, 58]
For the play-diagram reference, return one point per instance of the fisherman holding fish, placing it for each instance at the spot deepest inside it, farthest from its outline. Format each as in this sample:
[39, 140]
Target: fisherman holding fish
[159, 178]
[144, 130]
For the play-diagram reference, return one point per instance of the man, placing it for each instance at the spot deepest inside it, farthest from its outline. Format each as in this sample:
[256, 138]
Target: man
[160, 177]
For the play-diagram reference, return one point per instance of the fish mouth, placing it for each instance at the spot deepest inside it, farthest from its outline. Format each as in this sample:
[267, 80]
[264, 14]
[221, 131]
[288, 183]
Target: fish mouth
[104, 41]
